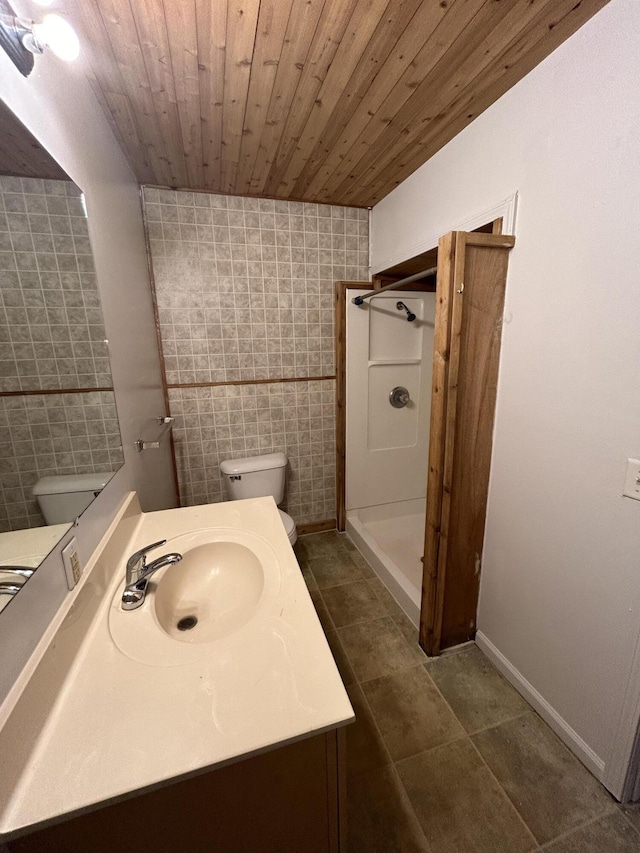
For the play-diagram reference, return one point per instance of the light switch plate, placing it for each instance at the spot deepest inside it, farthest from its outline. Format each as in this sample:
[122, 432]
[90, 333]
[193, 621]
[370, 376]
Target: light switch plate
[72, 567]
[632, 480]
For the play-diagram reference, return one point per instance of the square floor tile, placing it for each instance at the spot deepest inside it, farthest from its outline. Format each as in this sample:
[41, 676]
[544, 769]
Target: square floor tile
[632, 813]
[365, 748]
[316, 545]
[362, 564]
[459, 804]
[410, 633]
[610, 834]
[348, 544]
[352, 603]
[300, 550]
[391, 605]
[342, 661]
[321, 610]
[334, 570]
[376, 648]
[309, 579]
[479, 695]
[547, 784]
[410, 712]
[380, 818]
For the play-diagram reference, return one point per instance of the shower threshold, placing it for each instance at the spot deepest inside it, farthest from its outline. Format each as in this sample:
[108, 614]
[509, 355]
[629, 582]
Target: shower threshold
[391, 538]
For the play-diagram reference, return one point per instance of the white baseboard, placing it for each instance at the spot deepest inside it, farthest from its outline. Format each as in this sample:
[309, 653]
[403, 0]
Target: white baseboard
[564, 731]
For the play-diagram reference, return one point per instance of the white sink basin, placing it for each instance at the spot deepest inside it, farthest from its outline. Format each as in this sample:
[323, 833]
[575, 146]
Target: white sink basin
[211, 593]
[224, 582]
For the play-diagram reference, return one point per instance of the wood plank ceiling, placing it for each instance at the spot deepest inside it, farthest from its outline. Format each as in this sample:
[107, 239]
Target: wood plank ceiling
[21, 155]
[322, 100]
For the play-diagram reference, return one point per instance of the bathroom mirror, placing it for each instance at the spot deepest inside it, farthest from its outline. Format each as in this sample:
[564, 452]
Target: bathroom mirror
[60, 433]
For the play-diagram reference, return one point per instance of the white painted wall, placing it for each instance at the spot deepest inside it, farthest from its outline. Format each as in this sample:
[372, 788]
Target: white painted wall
[57, 105]
[560, 591]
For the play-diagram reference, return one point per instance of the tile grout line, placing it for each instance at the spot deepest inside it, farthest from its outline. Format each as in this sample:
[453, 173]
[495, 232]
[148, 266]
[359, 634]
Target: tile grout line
[470, 736]
[465, 735]
[613, 809]
[358, 684]
[625, 816]
[502, 722]
[570, 832]
[505, 795]
[392, 764]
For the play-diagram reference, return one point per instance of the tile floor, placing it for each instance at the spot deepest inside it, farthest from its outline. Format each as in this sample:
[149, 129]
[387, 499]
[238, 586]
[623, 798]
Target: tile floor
[445, 756]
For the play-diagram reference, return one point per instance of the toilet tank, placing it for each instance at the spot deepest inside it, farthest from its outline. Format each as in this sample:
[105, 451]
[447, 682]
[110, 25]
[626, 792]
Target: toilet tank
[254, 476]
[62, 498]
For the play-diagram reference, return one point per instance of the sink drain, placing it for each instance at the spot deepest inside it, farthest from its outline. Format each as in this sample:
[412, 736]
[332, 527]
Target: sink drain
[187, 623]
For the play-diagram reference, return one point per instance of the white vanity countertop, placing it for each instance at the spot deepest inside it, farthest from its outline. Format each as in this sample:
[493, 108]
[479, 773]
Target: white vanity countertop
[119, 726]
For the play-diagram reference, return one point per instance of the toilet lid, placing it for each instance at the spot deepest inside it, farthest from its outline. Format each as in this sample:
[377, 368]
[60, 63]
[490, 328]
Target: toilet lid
[289, 523]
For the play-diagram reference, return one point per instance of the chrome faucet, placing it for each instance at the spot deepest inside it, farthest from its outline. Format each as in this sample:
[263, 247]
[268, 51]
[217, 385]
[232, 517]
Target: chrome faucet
[139, 572]
[22, 571]
[9, 588]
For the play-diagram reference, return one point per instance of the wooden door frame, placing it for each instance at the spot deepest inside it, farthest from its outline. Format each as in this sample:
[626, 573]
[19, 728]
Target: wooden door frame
[340, 331]
[442, 433]
[446, 362]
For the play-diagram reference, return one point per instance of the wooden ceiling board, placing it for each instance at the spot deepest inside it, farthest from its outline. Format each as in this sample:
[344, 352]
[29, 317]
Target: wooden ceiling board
[300, 30]
[424, 261]
[333, 101]
[151, 104]
[554, 24]
[483, 39]
[110, 89]
[212, 45]
[151, 30]
[340, 60]
[387, 47]
[391, 93]
[272, 28]
[242, 22]
[21, 155]
[327, 39]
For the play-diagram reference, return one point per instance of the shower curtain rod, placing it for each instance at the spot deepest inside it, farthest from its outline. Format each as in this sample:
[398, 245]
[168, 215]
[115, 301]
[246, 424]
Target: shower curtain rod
[359, 300]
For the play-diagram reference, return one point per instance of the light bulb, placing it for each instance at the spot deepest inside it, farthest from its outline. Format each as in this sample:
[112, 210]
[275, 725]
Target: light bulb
[56, 33]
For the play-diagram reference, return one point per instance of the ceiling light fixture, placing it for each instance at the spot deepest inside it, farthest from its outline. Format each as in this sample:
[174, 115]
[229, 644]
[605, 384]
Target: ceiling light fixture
[22, 39]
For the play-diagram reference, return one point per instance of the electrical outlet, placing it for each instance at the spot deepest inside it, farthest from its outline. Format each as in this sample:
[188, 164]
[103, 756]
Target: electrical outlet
[632, 480]
[71, 561]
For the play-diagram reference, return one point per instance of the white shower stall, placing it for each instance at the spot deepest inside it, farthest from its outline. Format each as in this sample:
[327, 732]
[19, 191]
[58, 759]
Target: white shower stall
[387, 445]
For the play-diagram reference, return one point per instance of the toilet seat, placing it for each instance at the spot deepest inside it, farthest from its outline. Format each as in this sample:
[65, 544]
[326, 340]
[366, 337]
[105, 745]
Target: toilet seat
[289, 526]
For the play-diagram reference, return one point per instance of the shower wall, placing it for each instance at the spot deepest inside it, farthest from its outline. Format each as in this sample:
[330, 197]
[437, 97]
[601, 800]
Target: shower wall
[244, 292]
[387, 448]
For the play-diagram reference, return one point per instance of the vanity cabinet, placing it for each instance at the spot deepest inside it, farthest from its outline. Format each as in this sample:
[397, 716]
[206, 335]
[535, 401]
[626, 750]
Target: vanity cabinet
[288, 800]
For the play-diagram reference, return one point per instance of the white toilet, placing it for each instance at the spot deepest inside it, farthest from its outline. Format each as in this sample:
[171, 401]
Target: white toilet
[62, 498]
[257, 477]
